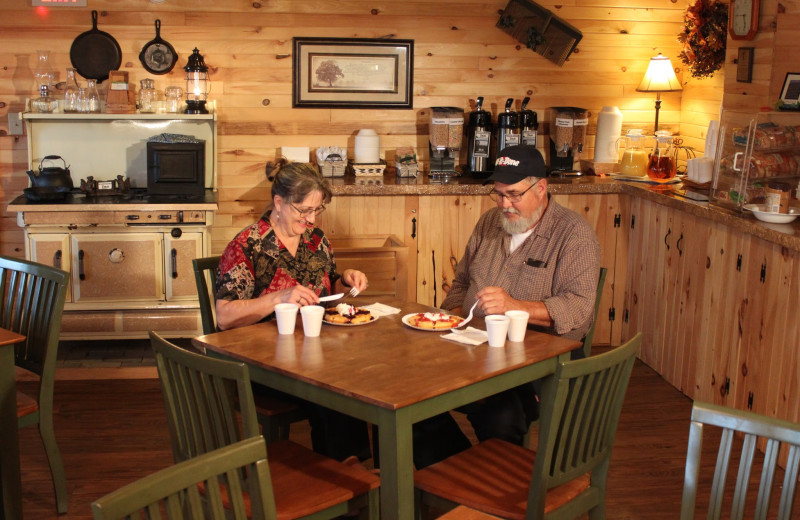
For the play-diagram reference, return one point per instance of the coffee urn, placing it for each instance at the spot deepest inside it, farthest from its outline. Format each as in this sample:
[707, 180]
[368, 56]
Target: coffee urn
[507, 131]
[479, 135]
[528, 124]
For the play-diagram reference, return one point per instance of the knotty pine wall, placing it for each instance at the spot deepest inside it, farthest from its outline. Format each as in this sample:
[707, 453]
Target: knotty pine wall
[459, 55]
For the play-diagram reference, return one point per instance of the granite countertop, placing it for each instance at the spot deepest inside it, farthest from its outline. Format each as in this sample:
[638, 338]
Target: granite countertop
[671, 195]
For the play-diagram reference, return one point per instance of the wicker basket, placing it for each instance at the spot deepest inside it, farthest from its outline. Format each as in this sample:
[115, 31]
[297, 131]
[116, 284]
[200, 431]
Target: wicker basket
[333, 168]
[369, 170]
[406, 169]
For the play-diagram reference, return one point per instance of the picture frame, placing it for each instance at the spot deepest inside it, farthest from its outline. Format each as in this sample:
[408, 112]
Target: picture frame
[744, 65]
[359, 72]
[790, 93]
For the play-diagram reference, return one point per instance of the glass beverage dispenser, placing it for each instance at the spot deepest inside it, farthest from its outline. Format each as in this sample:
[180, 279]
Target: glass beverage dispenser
[662, 160]
[634, 158]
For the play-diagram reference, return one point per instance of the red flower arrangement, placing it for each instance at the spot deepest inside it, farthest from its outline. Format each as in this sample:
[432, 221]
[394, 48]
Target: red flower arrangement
[704, 37]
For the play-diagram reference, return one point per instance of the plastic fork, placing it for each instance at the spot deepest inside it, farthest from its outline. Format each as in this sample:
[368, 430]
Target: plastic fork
[353, 292]
[469, 316]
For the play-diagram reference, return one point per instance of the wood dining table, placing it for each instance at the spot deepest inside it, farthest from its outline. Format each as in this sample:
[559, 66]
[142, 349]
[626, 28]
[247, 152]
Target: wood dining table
[10, 479]
[387, 374]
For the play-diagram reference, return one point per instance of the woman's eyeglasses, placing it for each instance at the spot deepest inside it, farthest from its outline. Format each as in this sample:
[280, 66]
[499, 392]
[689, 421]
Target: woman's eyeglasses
[513, 198]
[307, 212]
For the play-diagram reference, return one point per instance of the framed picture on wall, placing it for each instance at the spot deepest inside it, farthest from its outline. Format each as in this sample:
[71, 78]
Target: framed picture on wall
[790, 94]
[352, 73]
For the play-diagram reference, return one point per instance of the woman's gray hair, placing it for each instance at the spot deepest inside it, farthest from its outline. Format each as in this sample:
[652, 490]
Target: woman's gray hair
[293, 181]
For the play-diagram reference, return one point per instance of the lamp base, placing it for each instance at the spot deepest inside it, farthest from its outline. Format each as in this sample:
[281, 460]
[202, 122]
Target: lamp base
[194, 106]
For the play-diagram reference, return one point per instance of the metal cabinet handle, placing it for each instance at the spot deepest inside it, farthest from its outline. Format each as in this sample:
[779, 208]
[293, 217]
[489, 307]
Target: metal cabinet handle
[174, 255]
[57, 260]
[666, 238]
[414, 227]
[81, 273]
[678, 245]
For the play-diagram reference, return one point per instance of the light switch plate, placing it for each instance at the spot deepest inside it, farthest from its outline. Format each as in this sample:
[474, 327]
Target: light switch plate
[14, 123]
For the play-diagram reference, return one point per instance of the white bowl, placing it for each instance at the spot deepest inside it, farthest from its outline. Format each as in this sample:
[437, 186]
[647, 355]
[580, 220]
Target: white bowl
[769, 216]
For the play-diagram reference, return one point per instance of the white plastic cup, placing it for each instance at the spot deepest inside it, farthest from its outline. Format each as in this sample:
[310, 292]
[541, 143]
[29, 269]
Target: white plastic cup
[496, 329]
[312, 319]
[286, 314]
[518, 325]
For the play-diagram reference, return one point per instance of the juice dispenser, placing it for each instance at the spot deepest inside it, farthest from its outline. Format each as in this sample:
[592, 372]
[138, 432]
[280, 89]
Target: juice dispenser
[528, 124]
[507, 132]
[661, 166]
[445, 134]
[634, 158]
[479, 134]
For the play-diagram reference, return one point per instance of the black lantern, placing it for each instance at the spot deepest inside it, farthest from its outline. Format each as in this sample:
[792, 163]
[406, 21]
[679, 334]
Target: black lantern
[196, 84]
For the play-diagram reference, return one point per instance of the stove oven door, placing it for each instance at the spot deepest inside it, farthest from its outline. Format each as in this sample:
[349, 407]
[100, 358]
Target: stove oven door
[51, 249]
[126, 268]
[179, 274]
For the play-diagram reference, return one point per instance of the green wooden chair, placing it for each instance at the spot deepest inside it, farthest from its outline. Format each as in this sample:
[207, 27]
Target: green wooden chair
[275, 414]
[209, 404]
[751, 430]
[589, 338]
[236, 478]
[33, 297]
[566, 477]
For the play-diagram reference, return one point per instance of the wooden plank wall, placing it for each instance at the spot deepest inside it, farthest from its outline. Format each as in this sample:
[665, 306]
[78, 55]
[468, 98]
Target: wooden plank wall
[459, 55]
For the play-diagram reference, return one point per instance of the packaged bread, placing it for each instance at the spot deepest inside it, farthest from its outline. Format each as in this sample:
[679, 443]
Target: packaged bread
[769, 136]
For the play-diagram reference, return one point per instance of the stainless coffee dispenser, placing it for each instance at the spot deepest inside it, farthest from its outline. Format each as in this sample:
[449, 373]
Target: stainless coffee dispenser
[479, 135]
[528, 124]
[507, 131]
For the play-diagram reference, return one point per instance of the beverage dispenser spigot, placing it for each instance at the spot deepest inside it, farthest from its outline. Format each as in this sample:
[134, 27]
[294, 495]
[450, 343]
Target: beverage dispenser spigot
[479, 135]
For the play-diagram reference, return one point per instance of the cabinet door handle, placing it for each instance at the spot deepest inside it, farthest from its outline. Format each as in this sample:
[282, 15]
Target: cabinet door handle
[666, 238]
[174, 255]
[678, 245]
[57, 260]
[414, 227]
[81, 273]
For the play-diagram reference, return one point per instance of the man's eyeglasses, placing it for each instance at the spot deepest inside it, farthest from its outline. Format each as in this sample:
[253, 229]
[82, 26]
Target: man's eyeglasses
[512, 197]
[307, 212]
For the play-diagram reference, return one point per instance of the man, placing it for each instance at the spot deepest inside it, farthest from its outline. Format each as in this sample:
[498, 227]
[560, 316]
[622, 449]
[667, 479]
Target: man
[529, 253]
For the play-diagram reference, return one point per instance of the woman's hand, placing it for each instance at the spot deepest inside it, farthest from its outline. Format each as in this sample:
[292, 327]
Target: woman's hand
[355, 279]
[298, 294]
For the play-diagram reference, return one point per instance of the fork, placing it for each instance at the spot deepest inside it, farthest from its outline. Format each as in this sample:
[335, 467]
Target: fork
[469, 316]
[353, 292]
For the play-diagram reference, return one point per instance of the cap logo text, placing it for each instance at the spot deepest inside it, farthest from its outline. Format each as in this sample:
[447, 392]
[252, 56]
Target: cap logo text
[506, 161]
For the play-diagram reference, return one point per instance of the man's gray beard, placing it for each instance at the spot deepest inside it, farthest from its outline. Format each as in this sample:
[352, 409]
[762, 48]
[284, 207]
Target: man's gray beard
[522, 224]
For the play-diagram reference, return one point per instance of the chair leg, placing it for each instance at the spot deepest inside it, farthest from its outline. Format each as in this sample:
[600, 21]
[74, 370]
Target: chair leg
[54, 459]
[273, 430]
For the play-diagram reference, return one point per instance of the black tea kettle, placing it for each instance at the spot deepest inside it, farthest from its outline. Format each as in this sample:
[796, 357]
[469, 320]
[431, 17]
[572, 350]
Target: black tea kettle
[51, 176]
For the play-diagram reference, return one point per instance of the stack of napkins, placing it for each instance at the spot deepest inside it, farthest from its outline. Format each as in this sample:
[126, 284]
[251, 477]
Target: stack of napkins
[469, 336]
[379, 309]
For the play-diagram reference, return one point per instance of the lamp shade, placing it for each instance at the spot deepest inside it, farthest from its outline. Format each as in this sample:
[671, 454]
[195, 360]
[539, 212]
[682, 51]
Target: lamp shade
[660, 76]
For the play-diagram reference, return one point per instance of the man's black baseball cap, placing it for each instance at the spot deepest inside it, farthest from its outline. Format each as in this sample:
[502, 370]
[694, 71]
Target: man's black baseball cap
[516, 163]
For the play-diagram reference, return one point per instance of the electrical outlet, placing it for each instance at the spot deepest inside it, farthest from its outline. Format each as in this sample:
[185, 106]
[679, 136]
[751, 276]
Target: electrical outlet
[14, 123]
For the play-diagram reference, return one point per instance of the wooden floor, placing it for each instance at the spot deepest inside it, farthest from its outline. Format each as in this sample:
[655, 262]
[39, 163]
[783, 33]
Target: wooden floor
[112, 432]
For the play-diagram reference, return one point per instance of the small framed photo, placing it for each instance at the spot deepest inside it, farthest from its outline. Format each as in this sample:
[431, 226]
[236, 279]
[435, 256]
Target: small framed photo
[790, 94]
[744, 65]
[352, 73]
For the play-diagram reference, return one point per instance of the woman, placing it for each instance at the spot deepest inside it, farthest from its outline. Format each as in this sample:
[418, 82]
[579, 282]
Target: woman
[284, 258]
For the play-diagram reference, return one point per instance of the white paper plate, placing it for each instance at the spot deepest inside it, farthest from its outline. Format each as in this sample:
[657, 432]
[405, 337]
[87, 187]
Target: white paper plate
[408, 317]
[772, 218]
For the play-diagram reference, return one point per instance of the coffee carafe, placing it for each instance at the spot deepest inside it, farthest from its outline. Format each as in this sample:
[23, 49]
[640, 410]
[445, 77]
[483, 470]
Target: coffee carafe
[528, 124]
[507, 132]
[479, 135]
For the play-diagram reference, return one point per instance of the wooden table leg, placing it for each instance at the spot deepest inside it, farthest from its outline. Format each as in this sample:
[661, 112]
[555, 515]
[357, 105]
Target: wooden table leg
[10, 480]
[397, 467]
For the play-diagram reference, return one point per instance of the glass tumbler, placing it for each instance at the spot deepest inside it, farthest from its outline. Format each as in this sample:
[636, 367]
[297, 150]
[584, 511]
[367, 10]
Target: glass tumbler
[174, 99]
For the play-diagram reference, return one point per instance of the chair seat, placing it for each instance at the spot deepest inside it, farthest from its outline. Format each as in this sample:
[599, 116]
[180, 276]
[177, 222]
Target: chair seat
[305, 482]
[465, 513]
[494, 477]
[26, 404]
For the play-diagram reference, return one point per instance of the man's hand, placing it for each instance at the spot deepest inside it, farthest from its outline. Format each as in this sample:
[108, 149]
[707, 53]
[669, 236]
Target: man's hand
[494, 300]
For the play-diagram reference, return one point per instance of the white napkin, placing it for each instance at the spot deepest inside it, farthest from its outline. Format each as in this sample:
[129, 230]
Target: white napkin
[379, 309]
[470, 336]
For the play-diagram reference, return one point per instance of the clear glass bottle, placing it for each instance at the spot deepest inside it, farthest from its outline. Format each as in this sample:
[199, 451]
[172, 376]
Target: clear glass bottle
[71, 92]
[662, 161]
[173, 97]
[45, 103]
[148, 97]
[88, 98]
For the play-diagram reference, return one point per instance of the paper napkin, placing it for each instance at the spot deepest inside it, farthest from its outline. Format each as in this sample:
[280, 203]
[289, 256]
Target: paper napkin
[469, 336]
[379, 309]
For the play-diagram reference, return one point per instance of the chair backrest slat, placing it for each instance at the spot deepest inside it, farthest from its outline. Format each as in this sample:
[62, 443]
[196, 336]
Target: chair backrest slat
[205, 275]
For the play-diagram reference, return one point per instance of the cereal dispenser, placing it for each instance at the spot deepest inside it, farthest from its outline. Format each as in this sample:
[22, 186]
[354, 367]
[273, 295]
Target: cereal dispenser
[445, 134]
[568, 127]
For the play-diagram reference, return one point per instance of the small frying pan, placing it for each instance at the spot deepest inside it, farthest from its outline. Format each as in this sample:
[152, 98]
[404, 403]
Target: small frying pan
[158, 56]
[95, 53]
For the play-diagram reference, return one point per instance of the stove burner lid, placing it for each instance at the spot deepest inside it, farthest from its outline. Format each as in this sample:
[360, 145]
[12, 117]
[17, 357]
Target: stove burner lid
[118, 186]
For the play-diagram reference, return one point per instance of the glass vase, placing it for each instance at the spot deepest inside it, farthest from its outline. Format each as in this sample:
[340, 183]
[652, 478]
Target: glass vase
[71, 92]
[88, 98]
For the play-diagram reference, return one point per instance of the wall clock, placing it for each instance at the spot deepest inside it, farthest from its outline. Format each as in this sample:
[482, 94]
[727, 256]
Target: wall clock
[743, 19]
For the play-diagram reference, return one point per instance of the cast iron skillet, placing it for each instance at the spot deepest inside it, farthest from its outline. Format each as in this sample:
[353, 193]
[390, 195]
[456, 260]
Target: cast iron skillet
[158, 56]
[95, 53]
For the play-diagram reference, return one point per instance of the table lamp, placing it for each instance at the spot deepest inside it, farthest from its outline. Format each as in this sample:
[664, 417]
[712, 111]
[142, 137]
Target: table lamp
[660, 77]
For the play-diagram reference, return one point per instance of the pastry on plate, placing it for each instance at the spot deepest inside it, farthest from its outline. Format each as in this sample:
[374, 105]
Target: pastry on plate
[344, 314]
[434, 320]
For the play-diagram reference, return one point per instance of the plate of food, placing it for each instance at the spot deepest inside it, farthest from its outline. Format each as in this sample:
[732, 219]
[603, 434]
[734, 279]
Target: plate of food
[770, 216]
[346, 315]
[436, 321]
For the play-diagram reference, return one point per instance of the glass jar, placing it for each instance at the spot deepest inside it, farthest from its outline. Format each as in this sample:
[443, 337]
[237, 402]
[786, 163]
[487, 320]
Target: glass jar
[634, 158]
[173, 97]
[661, 166]
[88, 98]
[148, 97]
[45, 103]
[44, 71]
[71, 92]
